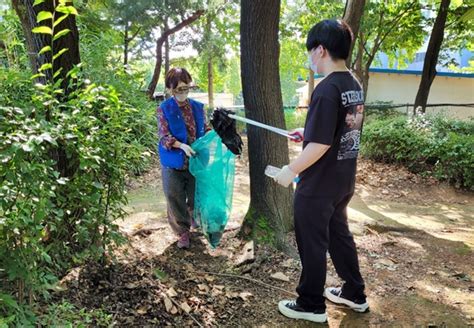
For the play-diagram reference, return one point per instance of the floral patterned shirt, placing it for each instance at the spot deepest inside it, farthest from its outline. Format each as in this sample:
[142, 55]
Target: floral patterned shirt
[166, 138]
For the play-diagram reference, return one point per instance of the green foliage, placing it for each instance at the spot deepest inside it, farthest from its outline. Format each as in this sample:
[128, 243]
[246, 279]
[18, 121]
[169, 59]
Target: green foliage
[16, 88]
[295, 119]
[395, 28]
[297, 18]
[65, 158]
[67, 315]
[434, 145]
[105, 66]
[12, 47]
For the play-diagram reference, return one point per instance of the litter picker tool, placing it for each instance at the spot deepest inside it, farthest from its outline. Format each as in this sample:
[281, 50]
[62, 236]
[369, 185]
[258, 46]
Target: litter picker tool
[230, 114]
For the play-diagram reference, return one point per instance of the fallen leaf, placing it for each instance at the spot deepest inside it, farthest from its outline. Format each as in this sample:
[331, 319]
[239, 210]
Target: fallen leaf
[209, 278]
[280, 276]
[290, 263]
[171, 292]
[231, 295]
[185, 307]
[174, 310]
[245, 295]
[131, 285]
[168, 304]
[247, 255]
[204, 288]
[142, 310]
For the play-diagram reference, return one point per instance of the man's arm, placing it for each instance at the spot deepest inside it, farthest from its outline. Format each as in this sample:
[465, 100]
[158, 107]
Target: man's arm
[310, 155]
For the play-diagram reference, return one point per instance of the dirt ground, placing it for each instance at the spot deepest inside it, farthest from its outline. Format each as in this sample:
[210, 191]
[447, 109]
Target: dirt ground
[415, 238]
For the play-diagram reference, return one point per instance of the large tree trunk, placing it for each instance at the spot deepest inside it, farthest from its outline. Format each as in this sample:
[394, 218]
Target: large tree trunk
[35, 42]
[270, 212]
[159, 50]
[310, 85]
[431, 57]
[352, 16]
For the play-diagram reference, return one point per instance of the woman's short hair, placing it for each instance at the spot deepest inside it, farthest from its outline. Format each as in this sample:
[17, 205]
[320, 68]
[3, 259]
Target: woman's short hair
[176, 75]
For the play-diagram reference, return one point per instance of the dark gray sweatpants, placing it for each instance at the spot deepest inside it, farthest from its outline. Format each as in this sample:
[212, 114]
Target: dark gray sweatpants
[179, 186]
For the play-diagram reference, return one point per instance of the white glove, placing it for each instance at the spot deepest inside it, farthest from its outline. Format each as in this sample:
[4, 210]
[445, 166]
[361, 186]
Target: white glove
[298, 133]
[285, 177]
[187, 150]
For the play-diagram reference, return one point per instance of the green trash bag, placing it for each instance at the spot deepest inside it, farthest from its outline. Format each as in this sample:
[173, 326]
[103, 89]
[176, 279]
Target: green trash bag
[214, 170]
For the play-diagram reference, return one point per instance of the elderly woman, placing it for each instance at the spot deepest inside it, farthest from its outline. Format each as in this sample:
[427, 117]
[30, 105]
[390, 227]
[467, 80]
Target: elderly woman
[181, 121]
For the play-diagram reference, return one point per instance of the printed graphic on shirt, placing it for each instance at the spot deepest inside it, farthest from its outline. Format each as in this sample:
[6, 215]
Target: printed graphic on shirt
[350, 140]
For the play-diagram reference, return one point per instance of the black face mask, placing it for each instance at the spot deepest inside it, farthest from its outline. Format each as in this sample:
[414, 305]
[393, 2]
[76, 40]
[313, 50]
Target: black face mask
[225, 127]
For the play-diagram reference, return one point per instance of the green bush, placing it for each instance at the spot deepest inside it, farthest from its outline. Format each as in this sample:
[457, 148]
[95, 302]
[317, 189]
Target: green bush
[62, 182]
[67, 315]
[433, 145]
[295, 119]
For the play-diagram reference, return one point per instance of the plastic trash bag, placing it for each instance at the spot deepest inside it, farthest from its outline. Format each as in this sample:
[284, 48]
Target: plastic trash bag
[214, 170]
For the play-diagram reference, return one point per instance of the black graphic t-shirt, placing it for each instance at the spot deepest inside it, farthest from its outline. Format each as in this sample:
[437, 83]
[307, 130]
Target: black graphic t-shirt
[335, 117]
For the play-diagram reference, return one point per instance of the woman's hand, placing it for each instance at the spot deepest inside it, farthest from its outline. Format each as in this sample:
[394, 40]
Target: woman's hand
[187, 150]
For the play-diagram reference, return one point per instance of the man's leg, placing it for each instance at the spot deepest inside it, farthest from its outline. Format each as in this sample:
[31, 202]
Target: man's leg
[344, 253]
[312, 217]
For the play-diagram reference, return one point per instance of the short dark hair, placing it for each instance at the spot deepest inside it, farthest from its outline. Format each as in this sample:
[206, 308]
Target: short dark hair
[176, 75]
[333, 34]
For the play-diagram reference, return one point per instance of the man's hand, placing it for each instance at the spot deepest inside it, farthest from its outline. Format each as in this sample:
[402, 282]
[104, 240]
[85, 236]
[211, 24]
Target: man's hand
[285, 177]
[298, 134]
[187, 150]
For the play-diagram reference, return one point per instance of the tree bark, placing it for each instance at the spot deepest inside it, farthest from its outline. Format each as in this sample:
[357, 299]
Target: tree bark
[167, 50]
[270, 213]
[431, 57]
[159, 50]
[125, 47]
[35, 42]
[310, 85]
[210, 82]
[210, 72]
[352, 16]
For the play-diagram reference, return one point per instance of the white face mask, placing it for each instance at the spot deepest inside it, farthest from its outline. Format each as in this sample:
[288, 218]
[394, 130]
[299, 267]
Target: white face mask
[181, 97]
[312, 65]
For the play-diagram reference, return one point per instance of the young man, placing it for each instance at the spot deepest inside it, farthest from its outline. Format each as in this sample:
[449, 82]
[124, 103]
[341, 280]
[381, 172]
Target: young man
[327, 168]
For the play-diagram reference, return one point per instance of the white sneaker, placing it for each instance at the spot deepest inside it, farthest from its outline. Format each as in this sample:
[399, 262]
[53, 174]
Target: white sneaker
[292, 310]
[333, 294]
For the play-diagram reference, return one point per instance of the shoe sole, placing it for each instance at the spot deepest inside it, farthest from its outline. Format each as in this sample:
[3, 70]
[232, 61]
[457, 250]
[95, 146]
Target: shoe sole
[341, 301]
[313, 317]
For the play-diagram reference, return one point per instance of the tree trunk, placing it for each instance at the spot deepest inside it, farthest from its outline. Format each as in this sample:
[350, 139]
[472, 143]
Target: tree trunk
[431, 57]
[125, 47]
[310, 85]
[352, 16]
[270, 213]
[210, 72]
[35, 42]
[159, 50]
[210, 82]
[167, 49]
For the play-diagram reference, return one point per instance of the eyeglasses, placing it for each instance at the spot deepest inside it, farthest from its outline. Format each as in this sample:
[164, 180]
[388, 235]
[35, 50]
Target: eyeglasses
[184, 89]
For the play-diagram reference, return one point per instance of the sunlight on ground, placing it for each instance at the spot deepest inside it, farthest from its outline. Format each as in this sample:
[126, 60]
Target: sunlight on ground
[436, 291]
[450, 222]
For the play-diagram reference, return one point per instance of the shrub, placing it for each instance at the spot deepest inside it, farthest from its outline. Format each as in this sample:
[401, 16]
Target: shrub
[433, 145]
